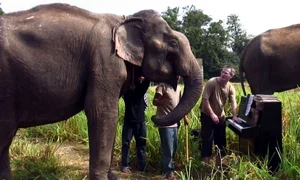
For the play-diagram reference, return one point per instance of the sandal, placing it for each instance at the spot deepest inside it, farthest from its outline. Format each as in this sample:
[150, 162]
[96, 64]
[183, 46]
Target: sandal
[126, 170]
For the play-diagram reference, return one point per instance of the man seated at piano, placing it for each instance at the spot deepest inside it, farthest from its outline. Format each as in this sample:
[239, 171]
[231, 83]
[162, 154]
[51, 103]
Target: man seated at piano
[216, 92]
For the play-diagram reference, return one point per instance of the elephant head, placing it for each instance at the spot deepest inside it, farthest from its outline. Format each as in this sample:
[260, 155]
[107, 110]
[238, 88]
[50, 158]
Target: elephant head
[145, 39]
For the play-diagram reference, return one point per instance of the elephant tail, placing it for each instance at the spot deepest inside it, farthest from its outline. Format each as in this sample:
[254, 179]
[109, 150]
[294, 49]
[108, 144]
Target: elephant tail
[241, 68]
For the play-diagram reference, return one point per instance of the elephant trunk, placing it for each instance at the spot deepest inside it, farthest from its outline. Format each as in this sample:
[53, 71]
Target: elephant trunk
[192, 91]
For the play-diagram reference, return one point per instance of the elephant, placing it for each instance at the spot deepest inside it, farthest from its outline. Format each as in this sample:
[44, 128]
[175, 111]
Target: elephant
[58, 60]
[270, 61]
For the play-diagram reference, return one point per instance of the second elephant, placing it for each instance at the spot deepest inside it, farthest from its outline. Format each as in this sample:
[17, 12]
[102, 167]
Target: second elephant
[271, 61]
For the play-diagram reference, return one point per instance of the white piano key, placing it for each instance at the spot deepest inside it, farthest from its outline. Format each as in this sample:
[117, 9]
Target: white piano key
[235, 124]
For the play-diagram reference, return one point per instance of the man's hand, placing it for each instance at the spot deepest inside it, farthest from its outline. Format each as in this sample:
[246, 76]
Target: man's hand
[157, 100]
[141, 79]
[215, 118]
[236, 119]
[186, 120]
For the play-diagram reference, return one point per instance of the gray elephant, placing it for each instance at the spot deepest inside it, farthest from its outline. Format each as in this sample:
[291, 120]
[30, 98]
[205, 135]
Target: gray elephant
[57, 60]
[271, 61]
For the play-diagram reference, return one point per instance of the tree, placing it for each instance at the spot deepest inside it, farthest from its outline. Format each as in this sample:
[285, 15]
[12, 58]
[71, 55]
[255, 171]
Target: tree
[210, 40]
[171, 16]
[215, 52]
[207, 38]
[238, 37]
[237, 41]
[194, 26]
[1, 11]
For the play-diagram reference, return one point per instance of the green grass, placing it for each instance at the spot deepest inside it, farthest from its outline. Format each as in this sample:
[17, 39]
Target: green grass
[33, 150]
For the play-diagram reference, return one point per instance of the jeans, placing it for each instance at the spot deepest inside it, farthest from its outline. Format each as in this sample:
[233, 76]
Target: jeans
[168, 138]
[212, 132]
[138, 130]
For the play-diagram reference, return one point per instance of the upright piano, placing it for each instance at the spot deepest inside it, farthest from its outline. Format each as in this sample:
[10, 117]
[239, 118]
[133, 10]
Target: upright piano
[260, 130]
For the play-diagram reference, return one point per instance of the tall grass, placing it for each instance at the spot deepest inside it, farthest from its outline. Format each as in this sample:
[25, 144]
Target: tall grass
[33, 149]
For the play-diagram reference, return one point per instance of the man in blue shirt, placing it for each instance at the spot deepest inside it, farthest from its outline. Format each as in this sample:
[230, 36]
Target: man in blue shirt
[134, 124]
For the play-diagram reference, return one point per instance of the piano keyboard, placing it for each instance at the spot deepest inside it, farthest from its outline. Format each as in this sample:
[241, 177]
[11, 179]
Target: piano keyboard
[239, 126]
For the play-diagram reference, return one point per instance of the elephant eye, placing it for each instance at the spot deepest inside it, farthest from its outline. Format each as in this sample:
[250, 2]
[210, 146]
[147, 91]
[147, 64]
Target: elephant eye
[173, 44]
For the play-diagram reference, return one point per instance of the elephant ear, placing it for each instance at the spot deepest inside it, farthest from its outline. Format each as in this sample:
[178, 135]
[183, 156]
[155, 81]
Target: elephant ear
[127, 37]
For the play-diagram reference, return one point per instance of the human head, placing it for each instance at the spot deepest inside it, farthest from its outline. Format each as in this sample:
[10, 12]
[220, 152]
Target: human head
[227, 73]
[230, 69]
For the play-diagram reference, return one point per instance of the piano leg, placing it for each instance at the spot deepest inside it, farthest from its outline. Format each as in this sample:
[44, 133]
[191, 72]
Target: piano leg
[270, 146]
[246, 145]
[265, 146]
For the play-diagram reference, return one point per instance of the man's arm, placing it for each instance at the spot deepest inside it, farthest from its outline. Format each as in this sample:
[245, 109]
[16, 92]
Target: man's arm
[207, 107]
[233, 105]
[233, 108]
[142, 87]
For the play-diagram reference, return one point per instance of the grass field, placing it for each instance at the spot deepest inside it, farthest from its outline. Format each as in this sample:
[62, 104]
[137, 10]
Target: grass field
[60, 151]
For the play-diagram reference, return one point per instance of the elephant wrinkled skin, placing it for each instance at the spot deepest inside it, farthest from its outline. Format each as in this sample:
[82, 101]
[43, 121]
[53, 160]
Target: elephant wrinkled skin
[57, 60]
[271, 61]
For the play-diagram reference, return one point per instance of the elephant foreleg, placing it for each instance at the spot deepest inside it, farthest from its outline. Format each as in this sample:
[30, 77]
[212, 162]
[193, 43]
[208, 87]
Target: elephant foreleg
[102, 114]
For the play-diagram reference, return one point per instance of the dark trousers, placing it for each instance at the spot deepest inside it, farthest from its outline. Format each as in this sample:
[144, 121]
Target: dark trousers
[212, 132]
[168, 139]
[138, 130]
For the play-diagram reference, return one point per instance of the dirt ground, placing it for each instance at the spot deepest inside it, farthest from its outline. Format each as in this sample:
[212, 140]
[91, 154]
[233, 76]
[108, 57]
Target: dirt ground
[77, 156]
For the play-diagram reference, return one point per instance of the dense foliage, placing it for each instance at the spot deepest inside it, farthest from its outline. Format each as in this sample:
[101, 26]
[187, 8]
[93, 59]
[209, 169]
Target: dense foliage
[216, 42]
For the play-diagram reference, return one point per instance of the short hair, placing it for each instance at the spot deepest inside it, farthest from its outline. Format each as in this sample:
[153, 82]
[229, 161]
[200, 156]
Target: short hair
[232, 70]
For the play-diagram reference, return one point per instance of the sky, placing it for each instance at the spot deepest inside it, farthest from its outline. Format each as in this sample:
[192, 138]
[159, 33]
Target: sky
[256, 16]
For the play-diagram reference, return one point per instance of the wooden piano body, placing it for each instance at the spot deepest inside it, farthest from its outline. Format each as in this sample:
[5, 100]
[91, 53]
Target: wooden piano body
[261, 129]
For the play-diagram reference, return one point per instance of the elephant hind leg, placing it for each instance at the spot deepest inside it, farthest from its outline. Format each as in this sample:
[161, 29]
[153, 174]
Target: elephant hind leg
[5, 170]
[7, 133]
